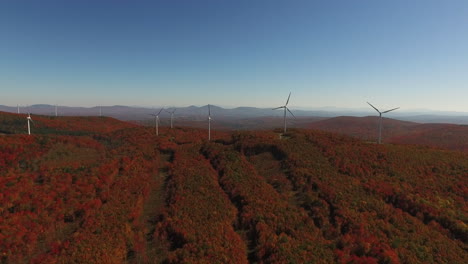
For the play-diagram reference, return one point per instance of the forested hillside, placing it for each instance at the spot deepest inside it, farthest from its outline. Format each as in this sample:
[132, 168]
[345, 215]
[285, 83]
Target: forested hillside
[117, 193]
[444, 136]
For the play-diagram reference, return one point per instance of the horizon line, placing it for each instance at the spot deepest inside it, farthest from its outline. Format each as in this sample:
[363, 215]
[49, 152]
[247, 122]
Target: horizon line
[295, 108]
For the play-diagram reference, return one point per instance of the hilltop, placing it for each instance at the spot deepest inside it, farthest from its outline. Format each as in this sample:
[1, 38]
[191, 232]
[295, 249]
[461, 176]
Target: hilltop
[245, 197]
[71, 125]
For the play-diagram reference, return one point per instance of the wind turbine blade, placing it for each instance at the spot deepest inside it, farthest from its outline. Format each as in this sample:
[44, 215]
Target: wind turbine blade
[390, 110]
[290, 112]
[277, 108]
[174, 110]
[152, 114]
[288, 99]
[373, 107]
[160, 111]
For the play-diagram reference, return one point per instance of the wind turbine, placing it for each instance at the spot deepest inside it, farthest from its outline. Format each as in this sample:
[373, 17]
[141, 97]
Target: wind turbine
[380, 120]
[172, 114]
[285, 108]
[56, 114]
[29, 119]
[156, 121]
[209, 123]
[17, 107]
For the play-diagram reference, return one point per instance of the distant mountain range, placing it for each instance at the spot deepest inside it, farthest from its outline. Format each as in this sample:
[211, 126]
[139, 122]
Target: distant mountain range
[196, 113]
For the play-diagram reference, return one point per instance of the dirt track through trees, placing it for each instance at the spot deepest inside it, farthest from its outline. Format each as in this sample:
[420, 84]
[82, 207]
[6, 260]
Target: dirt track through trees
[154, 251]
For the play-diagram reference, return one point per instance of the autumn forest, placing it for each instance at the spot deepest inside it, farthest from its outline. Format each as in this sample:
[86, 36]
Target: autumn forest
[99, 190]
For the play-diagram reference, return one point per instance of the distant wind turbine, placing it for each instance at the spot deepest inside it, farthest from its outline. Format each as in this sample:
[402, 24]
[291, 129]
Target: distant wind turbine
[56, 113]
[209, 123]
[172, 114]
[285, 108]
[29, 119]
[156, 121]
[380, 120]
[17, 107]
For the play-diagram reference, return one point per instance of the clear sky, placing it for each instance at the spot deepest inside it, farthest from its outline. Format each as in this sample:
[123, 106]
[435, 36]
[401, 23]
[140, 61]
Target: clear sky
[407, 53]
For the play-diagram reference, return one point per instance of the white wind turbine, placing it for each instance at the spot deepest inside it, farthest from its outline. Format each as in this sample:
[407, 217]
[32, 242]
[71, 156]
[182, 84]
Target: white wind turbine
[56, 112]
[172, 114]
[156, 121]
[285, 108]
[17, 107]
[209, 123]
[29, 119]
[380, 120]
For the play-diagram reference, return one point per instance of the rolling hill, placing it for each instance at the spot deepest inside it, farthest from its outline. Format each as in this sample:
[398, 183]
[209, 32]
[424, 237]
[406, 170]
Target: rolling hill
[365, 128]
[448, 136]
[117, 193]
[17, 124]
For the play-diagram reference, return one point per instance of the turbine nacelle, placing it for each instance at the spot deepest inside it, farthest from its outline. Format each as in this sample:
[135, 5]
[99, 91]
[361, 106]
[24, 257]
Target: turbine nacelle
[285, 107]
[209, 122]
[378, 111]
[380, 120]
[156, 120]
[209, 113]
[171, 112]
[28, 118]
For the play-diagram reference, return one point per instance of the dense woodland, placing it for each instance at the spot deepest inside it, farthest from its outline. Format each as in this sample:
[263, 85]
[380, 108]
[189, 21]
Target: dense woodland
[98, 190]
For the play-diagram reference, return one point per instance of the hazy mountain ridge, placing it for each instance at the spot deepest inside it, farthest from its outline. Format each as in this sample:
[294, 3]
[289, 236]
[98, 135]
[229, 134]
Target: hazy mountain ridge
[200, 112]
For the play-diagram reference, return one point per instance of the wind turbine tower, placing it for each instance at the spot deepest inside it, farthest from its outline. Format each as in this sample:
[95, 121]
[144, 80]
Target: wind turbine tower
[17, 107]
[29, 119]
[209, 123]
[172, 115]
[380, 120]
[156, 121]
[285, 107]
[56, 113]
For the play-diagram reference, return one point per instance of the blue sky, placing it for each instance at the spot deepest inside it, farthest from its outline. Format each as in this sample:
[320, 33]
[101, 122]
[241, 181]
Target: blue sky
[412, 54]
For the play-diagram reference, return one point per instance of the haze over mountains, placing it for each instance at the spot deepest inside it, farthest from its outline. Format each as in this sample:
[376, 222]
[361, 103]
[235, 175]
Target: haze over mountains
[198, 113]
